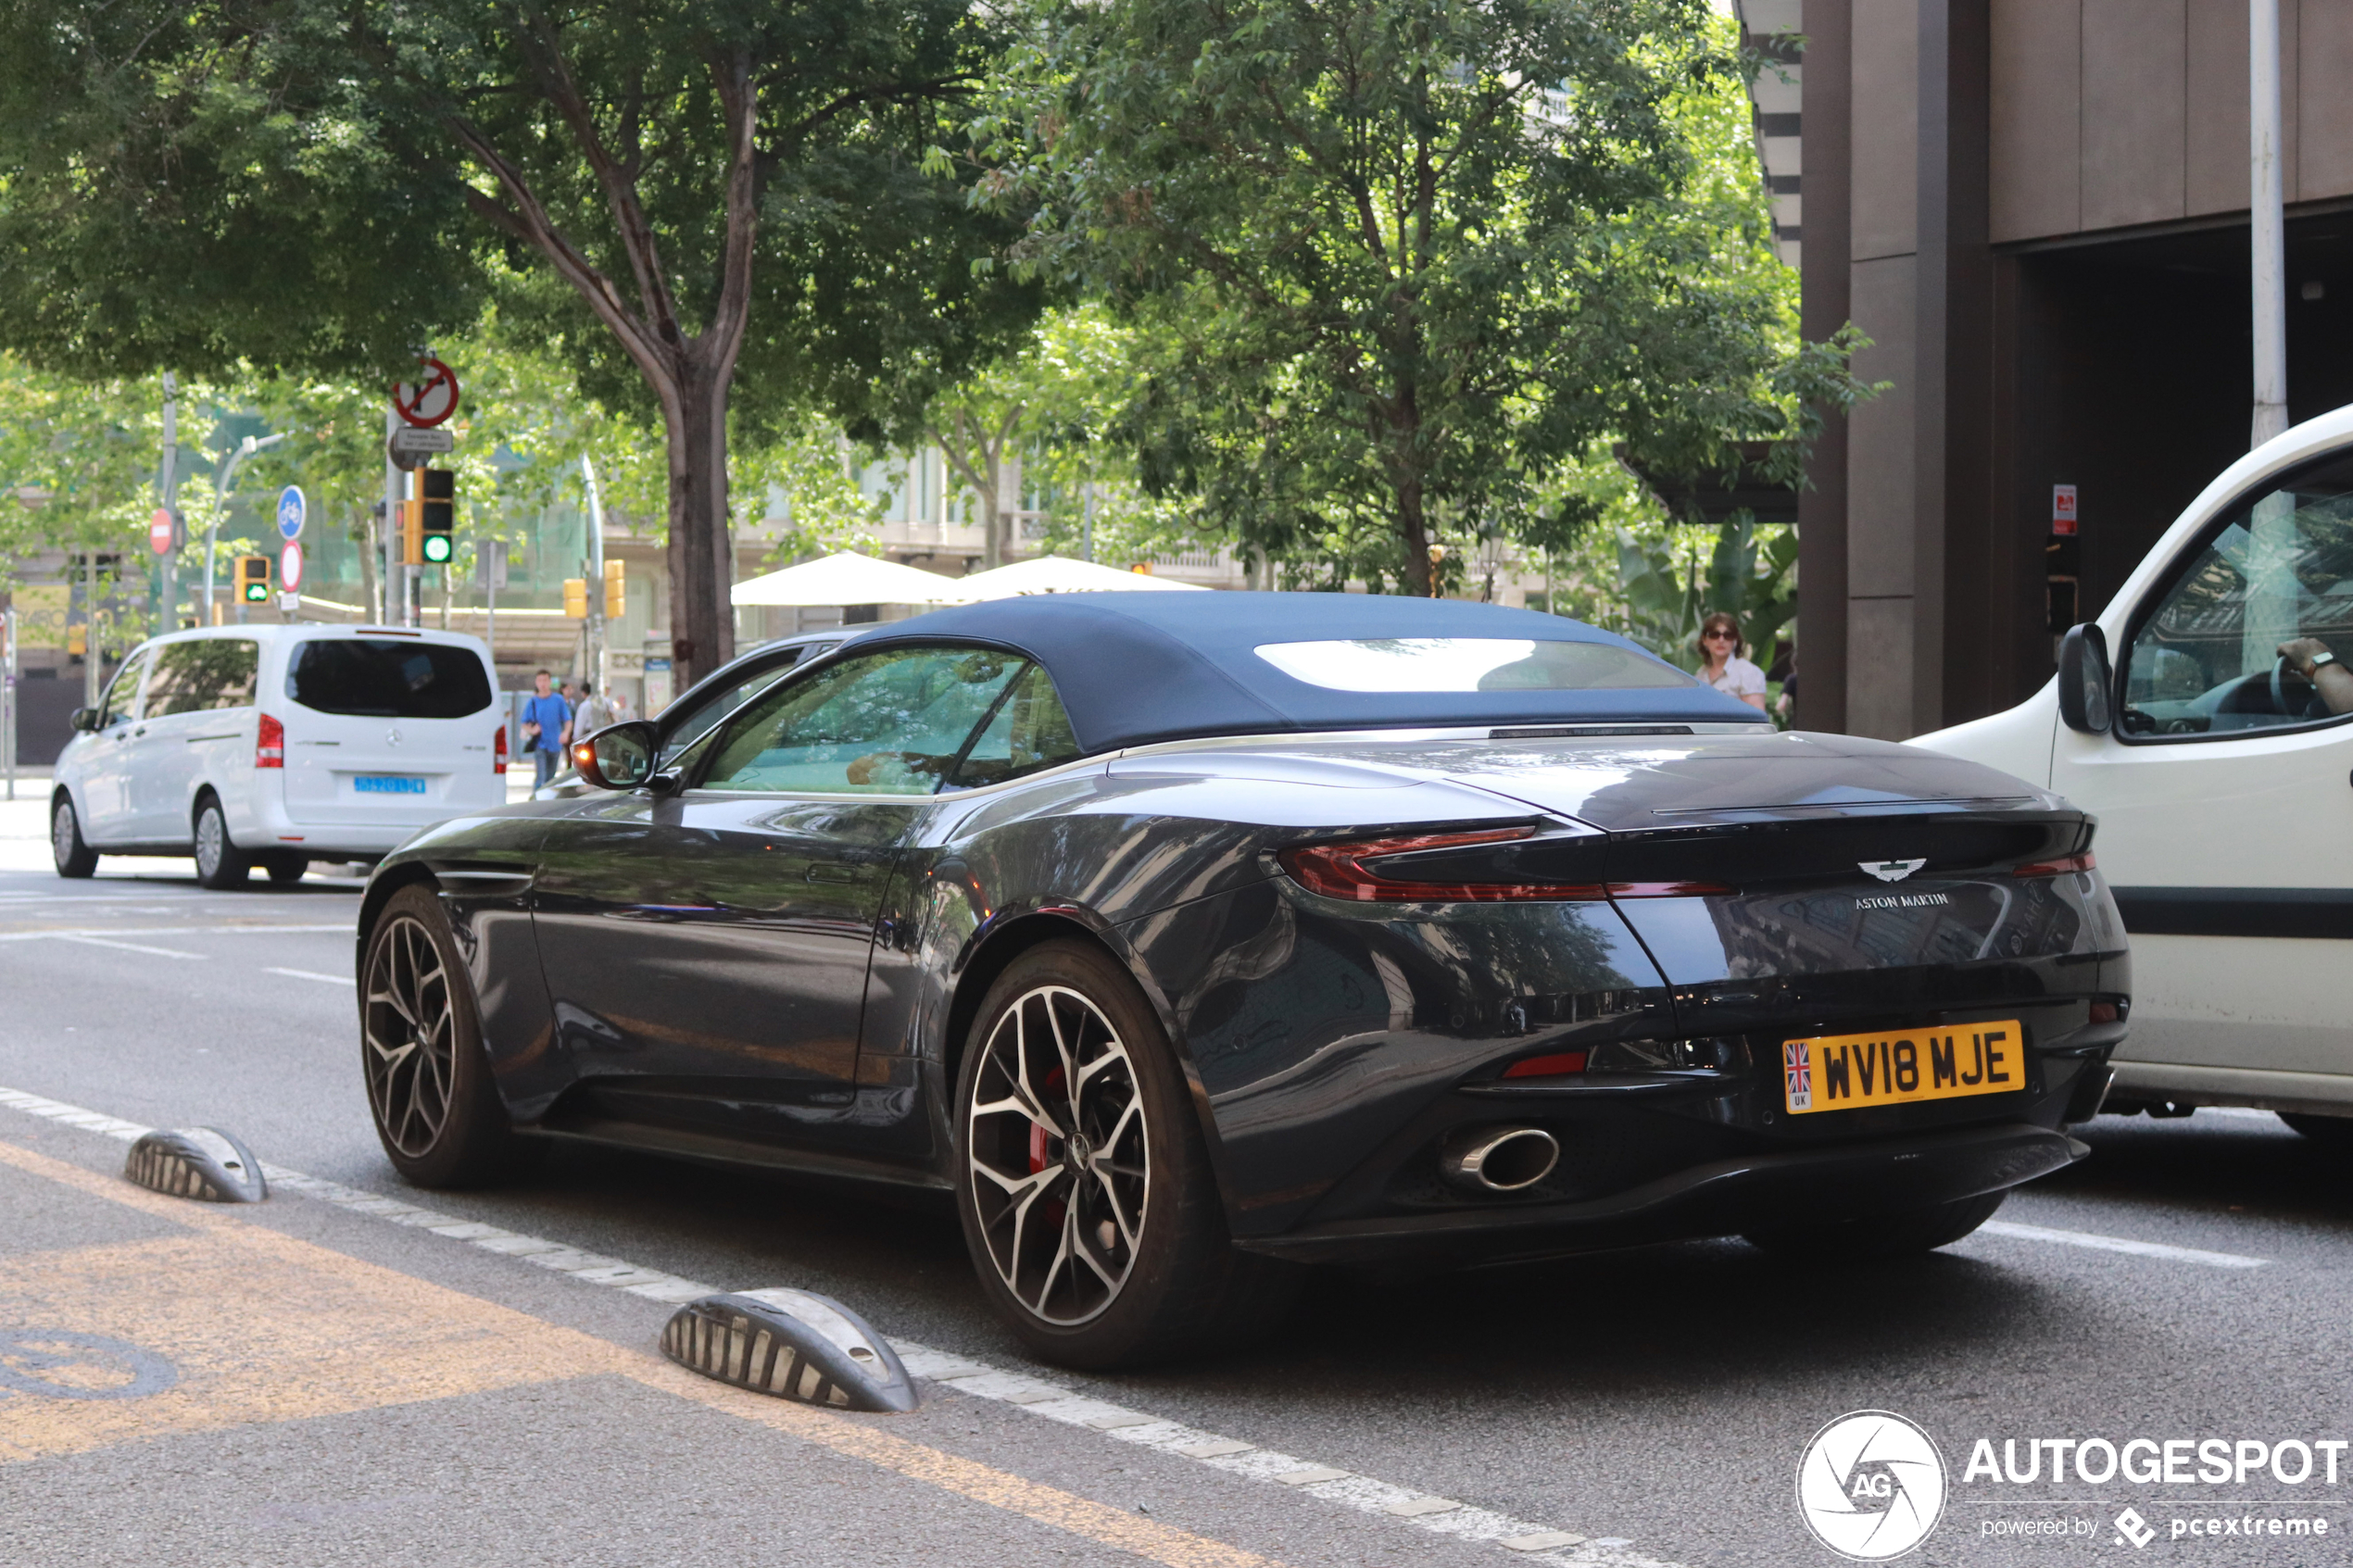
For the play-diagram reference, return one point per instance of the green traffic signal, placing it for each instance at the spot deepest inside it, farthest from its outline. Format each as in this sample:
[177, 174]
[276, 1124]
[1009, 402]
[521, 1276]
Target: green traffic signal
[437, 549]
[257, 593]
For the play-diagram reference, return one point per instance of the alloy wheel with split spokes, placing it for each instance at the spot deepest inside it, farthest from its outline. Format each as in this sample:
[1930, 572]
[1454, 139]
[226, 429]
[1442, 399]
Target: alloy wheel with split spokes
[436, 1111]
[1060, 1155]
[411, 1036]
[1083, 1179]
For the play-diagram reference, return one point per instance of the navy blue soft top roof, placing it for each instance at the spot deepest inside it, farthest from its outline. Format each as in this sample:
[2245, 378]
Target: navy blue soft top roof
[1135, 668]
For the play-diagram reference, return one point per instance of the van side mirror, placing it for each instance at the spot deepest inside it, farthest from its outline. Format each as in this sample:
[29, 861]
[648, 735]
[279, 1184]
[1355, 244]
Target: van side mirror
[2084, 679]
[87, 720]
[618, 758]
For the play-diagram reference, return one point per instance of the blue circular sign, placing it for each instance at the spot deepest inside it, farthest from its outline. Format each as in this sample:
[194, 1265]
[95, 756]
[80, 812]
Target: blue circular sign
[290, 512]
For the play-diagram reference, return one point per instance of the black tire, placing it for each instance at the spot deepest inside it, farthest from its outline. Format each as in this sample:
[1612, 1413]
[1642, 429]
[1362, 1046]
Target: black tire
[220, 865]
[74, 857]
[2329, 1131]
[430, 1093]
[1905, 1234]
[1182, 1287]
[284, 869]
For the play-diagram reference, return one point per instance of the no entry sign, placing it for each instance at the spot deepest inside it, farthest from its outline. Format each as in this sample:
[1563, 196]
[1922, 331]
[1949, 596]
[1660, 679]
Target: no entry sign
[426, 402]
[290, 565]
[159, 531]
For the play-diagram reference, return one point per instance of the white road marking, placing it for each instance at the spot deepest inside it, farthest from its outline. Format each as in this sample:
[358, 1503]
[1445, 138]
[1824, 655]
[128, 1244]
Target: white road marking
[2121, 1244]
[124, 946]
[111, 931]
[312, 975]
[1444, 1517]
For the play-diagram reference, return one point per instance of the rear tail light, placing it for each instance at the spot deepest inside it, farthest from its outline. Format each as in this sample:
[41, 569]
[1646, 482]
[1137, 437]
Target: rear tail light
[2060, 867]
[499, 752]
[270, 744]
[1337, 871]
[1559, 1064]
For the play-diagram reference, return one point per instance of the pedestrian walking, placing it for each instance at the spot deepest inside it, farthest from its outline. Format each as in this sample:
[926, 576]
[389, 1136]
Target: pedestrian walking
[591, 712]
[1722, 664]
[546, 728]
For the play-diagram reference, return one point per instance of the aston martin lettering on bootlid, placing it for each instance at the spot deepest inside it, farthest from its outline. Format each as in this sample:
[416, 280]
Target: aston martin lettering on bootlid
[1892, 871]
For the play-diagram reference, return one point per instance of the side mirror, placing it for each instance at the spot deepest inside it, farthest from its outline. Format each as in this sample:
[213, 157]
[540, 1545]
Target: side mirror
[87, 720]
[2084, 679]
[619, 758]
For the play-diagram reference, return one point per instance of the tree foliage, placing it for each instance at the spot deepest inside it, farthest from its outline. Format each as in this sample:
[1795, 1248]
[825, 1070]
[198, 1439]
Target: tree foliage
[1400, 261]
[677, 194]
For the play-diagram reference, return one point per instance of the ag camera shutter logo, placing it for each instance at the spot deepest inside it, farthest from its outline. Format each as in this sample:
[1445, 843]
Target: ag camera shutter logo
[1871, 1485]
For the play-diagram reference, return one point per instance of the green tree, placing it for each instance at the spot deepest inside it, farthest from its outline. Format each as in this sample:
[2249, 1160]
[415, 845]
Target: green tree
[680, 194]
[1402, 259]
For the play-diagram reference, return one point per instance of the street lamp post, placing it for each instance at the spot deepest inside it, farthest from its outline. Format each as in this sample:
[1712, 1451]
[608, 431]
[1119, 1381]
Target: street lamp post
[227, 482]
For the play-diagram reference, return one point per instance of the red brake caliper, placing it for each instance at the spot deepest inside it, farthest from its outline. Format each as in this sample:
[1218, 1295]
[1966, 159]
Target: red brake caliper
[1039, 1135]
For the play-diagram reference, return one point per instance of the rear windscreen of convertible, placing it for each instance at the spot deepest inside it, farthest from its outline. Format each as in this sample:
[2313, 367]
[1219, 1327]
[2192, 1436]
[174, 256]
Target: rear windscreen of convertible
[1467, 664]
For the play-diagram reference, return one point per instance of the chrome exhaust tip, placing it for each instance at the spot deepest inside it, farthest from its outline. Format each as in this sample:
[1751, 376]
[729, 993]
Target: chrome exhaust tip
[1499, 1159]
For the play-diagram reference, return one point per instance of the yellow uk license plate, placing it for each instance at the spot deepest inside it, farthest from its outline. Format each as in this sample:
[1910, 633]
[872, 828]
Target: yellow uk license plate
[1896, 1067]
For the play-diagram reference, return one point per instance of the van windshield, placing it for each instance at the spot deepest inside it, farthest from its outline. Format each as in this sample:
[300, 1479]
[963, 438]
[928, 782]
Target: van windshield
[384, 678]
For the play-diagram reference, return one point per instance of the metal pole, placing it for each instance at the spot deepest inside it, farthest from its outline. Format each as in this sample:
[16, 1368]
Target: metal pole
[395, 575]
[596, 627]
[1086, 533]
[90, 627]
[8, 698]
[171, 501]
[2266, 222]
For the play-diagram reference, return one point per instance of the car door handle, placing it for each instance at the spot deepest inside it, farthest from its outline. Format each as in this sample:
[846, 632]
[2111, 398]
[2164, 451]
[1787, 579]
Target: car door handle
[822, 871]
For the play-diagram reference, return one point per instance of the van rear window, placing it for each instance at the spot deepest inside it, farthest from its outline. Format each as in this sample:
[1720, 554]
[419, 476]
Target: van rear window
[379, 677]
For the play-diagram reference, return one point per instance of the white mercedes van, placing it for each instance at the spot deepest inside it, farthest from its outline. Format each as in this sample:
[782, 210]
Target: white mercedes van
[2215, 745]
[275, 746]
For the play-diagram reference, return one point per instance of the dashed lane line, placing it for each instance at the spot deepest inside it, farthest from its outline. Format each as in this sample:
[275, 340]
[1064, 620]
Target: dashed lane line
[310, 974]
[126, 947]
[106, 933]
[2121, 1244]
[1444, 1517]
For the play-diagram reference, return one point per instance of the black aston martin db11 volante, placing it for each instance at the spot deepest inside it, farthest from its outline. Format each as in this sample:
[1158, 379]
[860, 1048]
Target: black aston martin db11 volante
[1185, 938]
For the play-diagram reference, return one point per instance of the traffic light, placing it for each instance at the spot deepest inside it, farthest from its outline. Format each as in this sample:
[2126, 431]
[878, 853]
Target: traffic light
[576, 597]
[616, 590]
[412, 533]
[438, 488]
[253, 578]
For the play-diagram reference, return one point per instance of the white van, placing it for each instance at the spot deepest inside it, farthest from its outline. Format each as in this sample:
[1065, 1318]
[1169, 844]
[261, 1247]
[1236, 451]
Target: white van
[275, 746]
[2216, 748]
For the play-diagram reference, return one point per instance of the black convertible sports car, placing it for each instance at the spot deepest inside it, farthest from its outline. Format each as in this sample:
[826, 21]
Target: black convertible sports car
[1187, 938]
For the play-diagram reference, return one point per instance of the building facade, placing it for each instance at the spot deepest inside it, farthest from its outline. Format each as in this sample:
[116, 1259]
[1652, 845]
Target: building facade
[2037, 210]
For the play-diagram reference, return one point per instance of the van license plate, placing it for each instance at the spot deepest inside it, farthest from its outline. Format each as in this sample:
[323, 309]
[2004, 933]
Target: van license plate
[1847, 1071]
[387, 784]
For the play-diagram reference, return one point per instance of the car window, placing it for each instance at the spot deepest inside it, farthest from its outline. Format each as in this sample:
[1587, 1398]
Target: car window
[890, 723]
[387, 678]
[207, 673]
[1469, 664]
[1029, 731]
[697, 720]
[2278, 569]
[121, 702]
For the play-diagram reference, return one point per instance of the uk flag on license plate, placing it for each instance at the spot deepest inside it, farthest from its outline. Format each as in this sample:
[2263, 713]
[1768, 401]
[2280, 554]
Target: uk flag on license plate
[1797, 1074]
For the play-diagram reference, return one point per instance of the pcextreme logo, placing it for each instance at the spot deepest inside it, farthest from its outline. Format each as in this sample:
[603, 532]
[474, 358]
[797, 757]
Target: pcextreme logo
[1870, 1485]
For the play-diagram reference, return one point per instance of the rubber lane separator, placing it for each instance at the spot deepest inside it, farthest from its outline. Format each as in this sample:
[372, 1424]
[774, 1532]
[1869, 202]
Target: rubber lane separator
[2121, 1244]
[1445, 1516]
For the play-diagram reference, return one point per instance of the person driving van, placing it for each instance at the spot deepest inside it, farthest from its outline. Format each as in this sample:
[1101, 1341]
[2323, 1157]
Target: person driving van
[2310, 658]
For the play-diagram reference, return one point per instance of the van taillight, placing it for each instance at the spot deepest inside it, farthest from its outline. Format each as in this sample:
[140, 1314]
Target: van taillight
[499, 752]
[269, 744]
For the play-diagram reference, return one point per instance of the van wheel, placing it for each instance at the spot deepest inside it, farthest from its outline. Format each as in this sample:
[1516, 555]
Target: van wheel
[220, 865]
[285, 870]
[74, 857]
[1904, 1234]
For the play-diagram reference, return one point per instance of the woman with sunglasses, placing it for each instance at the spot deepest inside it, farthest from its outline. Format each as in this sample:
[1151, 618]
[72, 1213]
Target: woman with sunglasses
[1721, 665]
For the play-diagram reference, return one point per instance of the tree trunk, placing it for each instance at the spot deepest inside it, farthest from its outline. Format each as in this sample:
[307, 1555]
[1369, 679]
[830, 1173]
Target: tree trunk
[702, 620]
[1420, 572]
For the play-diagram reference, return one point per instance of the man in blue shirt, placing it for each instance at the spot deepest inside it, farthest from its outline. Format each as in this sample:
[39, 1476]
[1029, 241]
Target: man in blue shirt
[546, 728]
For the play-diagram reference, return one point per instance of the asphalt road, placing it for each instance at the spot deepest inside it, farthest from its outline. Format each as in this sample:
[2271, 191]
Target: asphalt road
[345, 1387]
